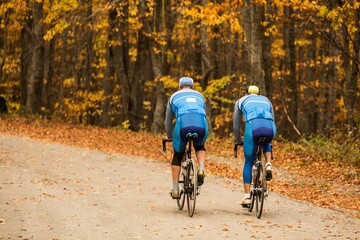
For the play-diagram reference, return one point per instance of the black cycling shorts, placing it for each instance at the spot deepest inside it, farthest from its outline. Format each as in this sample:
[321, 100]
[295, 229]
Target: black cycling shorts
[177, 157]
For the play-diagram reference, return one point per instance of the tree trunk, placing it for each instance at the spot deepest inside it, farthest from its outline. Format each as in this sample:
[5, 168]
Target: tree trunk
[309, 106]
[292, 98]
[331, 87]
[137, 83]
[161, 101]
[108, 81]
[256, 51]
[266, 55]
[121, 60]
[25, 57]
[126, 70]
[160, 105]
[89, 49]
[33, 101]
[2, 60]
[63, 69]
[253, 15]
[352, 87]
[48, 72]
[320, 94]
[160, 109]
[49, 64]
[208, 63]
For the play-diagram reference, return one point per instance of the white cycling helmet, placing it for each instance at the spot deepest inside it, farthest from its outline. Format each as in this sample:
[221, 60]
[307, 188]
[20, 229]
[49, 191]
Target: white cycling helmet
[186, 81]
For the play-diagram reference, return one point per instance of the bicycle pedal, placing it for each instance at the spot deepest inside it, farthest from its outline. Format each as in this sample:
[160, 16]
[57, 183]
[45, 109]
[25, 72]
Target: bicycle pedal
[245, 205]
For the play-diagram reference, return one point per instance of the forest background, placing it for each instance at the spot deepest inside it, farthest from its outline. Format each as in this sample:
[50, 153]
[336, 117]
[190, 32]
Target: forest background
[115, 63]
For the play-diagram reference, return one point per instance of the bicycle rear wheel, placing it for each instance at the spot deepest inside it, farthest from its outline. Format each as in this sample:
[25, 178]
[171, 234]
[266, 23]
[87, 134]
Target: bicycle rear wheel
[260, 190]
[181, 201]
[191, 187]
[253, 191]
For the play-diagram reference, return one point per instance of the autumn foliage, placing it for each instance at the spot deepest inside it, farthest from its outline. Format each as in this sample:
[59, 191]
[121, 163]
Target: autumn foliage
[114, 63]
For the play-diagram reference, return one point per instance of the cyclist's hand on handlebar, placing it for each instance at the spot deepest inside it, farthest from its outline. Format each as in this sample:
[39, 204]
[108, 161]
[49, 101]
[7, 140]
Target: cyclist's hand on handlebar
[236, 147]
[164, 141]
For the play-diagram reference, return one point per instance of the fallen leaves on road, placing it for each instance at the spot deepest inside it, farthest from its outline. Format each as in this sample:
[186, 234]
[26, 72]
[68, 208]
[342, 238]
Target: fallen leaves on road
[325, 184]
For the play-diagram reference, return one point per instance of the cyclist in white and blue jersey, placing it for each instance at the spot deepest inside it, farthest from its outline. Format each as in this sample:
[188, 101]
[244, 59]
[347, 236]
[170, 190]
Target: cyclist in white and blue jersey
[259, 121]
[188, 107]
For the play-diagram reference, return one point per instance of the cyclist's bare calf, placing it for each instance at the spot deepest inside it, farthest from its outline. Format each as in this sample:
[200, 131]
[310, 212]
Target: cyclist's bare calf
[268, 157]
[200, 155]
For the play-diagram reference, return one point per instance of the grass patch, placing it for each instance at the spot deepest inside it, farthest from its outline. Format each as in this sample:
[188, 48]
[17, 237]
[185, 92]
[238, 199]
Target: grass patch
[337, 146]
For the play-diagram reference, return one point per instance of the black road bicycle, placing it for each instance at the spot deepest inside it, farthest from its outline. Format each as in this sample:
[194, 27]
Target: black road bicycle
[188, 187]
[259, 189]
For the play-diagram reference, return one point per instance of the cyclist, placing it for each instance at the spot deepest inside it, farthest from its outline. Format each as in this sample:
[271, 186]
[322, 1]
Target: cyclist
[188, 107]
[259, 121]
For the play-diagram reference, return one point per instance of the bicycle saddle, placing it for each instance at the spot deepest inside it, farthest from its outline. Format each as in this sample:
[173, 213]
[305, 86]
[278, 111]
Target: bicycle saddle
[191, 135]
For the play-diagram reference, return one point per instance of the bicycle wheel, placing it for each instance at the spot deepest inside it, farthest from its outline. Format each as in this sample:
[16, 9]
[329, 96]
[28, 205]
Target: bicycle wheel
[191, 187]
[253, 191]
[260, 190]
[181, 201]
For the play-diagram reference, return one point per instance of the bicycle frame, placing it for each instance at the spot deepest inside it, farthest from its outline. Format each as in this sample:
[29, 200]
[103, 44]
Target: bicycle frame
[188, 177]
[258, 187]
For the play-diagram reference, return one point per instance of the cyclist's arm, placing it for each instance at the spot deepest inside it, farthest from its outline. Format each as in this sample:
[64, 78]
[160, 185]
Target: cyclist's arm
[271, 109]
[237, 122]
[168, 121]
[273, 112]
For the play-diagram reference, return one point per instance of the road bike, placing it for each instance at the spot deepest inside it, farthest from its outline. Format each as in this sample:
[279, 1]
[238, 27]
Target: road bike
[188, 187]
[258, 189]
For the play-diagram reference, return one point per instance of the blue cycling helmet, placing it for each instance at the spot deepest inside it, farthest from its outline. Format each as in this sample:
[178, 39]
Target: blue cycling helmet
[186, 81]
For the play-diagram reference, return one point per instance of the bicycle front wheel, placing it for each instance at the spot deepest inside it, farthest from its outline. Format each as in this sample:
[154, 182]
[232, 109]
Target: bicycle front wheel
[260, 190]
[191, 187]
[181, 201]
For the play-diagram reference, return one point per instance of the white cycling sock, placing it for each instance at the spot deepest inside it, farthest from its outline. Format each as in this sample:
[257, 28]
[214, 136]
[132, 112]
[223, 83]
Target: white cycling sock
[175, 186]
[247, 195]
[201, 166]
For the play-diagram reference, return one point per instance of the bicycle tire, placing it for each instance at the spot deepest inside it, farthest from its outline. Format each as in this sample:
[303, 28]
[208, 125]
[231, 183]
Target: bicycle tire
[181, 201]
[253, 191]
[261, 190]
[252, 199]
[191, 187]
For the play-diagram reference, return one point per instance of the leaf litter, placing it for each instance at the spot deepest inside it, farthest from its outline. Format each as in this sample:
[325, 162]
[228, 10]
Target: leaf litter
[325, 184]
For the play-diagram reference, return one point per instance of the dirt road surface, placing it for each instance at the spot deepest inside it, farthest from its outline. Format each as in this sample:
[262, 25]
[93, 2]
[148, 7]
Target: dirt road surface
[52, 191]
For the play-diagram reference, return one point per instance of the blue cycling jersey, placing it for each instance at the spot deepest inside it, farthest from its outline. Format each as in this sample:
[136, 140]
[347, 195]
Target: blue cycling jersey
[188, 107]
[182, 102]
[187, 101]
[253, 107]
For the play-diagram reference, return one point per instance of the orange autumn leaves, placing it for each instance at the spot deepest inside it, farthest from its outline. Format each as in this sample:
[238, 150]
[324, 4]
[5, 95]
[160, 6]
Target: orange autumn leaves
[325, 184]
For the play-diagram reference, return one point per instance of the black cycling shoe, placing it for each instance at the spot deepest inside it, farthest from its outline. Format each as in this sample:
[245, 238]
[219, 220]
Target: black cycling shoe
[200, 177]
[268, 172]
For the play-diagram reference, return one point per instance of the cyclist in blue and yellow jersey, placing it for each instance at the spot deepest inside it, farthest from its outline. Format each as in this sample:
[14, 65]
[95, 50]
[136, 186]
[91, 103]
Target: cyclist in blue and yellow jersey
[188, 107]
[259, 121]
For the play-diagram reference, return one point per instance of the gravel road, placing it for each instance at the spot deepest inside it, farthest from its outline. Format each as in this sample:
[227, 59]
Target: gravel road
[52, 191]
